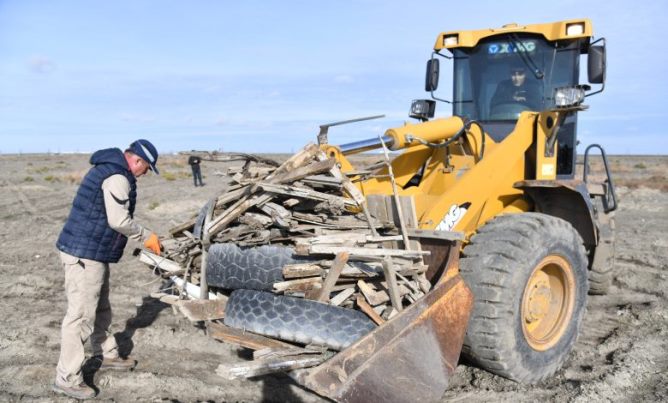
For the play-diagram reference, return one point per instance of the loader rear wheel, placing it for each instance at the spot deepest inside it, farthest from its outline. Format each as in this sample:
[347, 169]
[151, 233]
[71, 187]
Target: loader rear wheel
[295, 319]
[603, 259]
[528, 274]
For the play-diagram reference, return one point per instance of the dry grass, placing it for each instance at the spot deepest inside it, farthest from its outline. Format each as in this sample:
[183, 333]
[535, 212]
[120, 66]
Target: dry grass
[73, 178]
[659, 182]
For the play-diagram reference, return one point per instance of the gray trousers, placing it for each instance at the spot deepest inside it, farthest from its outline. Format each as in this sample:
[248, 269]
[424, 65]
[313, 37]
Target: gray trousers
[88, 316]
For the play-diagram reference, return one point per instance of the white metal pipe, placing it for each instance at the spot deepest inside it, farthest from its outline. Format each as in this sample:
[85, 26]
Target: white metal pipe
[190, 289]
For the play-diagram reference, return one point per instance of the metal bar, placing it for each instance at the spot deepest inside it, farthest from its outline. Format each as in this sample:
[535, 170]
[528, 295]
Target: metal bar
[395, 193]
[366, 145]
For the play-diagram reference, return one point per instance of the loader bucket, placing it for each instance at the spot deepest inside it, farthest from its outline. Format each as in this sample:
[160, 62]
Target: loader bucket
[408, 358]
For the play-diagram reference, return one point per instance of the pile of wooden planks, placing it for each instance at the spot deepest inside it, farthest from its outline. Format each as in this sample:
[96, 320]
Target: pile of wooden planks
[359, 254]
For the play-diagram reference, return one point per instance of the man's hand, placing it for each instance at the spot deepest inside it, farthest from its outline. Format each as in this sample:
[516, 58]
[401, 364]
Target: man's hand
[153, 243]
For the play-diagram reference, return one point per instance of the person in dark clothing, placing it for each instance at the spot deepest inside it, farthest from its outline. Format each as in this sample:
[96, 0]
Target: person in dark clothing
[99, 224]
[195, 162]
[517, 90]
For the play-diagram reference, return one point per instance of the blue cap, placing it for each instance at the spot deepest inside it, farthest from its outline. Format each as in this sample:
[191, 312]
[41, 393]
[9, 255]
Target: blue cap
[147, 152]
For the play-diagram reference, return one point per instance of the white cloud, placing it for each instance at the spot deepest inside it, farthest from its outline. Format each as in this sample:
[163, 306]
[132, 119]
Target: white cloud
[137, 118]
[41, 64]
[344, 79]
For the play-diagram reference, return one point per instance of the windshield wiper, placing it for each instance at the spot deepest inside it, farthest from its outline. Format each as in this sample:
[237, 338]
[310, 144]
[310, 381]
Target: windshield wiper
[526, 58]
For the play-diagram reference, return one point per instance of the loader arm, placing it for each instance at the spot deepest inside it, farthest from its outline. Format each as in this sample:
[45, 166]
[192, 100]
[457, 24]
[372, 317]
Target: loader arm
[461, 186]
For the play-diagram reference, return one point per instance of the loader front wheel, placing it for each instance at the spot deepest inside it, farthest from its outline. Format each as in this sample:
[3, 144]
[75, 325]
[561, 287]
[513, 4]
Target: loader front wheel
[528, 274]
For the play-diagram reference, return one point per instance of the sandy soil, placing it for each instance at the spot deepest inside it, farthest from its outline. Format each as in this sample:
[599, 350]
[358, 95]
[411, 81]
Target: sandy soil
[622, 354]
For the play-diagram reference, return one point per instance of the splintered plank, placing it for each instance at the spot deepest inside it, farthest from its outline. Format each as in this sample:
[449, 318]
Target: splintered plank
[333, 275]
[374, 297]
[182, 227]
[200, 309]
[368, 310]
[235, 211]
[270, 365]
[393, 287]
[308, 170]
[242, 338]
[342, 296]
[300, 159]
[350, 188]
[299, 270]
[300, 284]
[365, 252]
[304, 193]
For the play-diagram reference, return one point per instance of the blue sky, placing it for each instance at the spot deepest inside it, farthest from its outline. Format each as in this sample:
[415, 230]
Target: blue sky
[261, 76]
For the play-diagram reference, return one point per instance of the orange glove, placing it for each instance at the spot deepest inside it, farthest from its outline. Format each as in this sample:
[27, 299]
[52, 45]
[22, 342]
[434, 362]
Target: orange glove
[153, 243]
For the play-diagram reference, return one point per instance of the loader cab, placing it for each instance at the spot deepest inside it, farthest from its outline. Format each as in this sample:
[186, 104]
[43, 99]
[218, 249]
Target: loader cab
[486, 86]
[485, 78]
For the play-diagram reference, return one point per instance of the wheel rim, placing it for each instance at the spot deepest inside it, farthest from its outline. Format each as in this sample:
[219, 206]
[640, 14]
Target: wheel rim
[547, 303]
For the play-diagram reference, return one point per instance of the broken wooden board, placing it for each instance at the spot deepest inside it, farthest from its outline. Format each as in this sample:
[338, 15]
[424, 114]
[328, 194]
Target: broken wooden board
[339, 298]
[301, 158]
[300, 270]
[368, 310]
[433, 234]
[270, 365]
[242, 338]
[300, 284]
[305, 171]
[333, 275]
[199, 309]
[365, 252]
[166, 298]
[235, 211]
[304, 193]
[374, 297]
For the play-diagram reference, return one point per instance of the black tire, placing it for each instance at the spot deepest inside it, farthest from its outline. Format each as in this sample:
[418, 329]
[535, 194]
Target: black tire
[231, 267]
[601, 270]
[199, 221]
[499, 264]
[295, 319]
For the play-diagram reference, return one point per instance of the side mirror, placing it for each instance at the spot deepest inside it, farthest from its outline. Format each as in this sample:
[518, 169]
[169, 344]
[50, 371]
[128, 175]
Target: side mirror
[431, 80]
[596, 64]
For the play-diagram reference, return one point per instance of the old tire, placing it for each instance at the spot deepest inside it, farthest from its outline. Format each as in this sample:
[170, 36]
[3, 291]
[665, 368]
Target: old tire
[528, 275]
[229, 266]
[295, 319]
[603, 262]
[199, 221]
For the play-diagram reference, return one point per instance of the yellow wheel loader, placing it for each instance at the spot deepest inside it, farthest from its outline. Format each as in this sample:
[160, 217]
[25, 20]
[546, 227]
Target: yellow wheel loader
[481, 217]
[535, 236]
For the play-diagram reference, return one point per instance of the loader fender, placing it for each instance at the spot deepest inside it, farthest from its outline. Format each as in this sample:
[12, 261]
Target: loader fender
[566, 199]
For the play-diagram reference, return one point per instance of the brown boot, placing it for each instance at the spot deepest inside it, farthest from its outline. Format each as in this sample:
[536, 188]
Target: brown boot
[80, 391]
[118, 363]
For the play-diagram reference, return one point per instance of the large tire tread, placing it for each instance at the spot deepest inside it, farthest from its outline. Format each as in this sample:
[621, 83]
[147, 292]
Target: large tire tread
[258, 268]
[295, 319]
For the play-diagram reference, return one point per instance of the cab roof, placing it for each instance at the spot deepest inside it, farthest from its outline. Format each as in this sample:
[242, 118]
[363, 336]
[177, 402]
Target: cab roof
[570, 29]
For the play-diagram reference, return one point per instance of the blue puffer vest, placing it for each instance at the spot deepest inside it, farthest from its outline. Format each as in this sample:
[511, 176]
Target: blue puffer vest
[86, 233]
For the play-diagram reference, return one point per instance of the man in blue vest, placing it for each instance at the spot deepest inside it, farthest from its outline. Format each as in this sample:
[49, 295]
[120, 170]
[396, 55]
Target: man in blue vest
[94, 235]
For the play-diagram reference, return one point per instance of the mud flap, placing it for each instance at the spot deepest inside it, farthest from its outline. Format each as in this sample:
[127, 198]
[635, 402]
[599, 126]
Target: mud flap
[409, 358]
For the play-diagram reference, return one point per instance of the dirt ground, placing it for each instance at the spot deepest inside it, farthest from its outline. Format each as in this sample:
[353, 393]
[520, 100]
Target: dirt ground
[621, 355]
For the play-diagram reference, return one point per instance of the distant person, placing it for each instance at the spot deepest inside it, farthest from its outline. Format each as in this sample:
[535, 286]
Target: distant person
[517, 90]
[195, 162]
[100, 222]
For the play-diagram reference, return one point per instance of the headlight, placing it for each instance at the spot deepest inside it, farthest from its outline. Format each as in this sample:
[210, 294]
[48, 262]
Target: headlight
[450, 40]
[575, 29]
[422, 109]
[569, 96]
